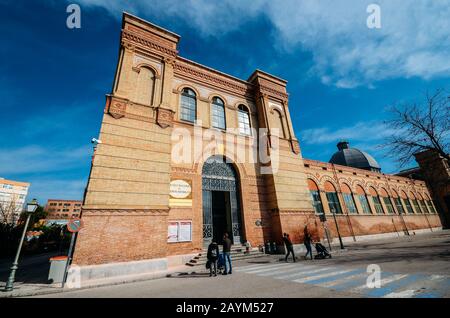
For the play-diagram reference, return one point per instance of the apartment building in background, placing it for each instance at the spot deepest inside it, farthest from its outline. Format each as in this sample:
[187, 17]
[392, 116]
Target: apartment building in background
[60, 211]
[12, 199]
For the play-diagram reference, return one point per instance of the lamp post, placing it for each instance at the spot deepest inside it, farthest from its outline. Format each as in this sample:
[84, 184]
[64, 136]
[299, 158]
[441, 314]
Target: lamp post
[31, 208]
[333, 210]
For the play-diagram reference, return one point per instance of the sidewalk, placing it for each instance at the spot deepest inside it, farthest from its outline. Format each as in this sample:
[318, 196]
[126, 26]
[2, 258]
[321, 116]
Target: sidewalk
[26, 290]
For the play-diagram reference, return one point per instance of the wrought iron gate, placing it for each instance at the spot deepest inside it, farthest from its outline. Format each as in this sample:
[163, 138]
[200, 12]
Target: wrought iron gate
[217, 175]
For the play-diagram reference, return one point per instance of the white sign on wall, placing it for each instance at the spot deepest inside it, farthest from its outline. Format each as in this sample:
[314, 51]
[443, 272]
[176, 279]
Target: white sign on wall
[179, 231]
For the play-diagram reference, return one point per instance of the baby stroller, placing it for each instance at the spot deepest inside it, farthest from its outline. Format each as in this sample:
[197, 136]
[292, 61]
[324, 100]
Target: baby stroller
[321, 252]
[221, 264]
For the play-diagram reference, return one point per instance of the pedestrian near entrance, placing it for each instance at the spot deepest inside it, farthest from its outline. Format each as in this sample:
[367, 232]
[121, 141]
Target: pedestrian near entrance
[226, 253]
[212, 256]
[307, 241]
[289, 247]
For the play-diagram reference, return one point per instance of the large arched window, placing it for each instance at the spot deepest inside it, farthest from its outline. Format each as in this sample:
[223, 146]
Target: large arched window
[406, 202]
[363, 200]
[429, 203]
[218, 113]
[244, 120]
[348, 198]
[376, 200]
[387, 201]
[422, 204]
[415, 203]
[398, 203]
[333, 201]
[188, 104]
[315, 196]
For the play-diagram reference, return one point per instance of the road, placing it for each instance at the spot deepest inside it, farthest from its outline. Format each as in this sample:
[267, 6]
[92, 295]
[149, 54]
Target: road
[416, 266]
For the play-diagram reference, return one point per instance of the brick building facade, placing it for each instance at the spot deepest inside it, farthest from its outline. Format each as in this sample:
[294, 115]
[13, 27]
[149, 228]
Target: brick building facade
[142, 203]
[62, 209]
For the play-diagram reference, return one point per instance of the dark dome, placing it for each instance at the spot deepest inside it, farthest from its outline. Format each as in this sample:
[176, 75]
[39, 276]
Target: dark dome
[353, 157]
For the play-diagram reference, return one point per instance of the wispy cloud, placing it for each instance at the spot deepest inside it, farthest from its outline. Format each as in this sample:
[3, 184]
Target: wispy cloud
[414, 40]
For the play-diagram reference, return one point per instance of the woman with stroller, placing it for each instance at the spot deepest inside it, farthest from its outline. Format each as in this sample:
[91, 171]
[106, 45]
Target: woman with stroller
[212, 256]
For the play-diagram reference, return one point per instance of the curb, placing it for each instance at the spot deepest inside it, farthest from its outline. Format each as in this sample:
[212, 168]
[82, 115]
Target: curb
[143, 278]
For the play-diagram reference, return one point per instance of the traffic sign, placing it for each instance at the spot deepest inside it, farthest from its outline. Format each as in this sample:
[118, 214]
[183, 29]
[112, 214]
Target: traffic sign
[74, 225]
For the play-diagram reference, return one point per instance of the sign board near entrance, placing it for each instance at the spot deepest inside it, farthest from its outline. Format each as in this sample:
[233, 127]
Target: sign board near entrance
[179, 231]
[180, 192]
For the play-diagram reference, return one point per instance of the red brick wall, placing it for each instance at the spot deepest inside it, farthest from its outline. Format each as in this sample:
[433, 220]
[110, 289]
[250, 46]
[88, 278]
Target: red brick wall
[129, 236]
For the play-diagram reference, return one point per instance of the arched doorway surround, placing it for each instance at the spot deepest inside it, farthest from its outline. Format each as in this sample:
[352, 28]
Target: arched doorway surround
[221, 201]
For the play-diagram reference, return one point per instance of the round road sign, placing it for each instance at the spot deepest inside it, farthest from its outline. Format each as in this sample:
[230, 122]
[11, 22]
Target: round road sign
[74, 225]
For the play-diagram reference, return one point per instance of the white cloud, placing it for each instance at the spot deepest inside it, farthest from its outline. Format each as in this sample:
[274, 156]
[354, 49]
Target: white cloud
[414, 39]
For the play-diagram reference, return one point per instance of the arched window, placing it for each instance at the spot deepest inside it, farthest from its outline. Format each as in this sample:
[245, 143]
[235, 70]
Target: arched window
[423, 206]
[244, 120]
[145, 86]
[387, 201]
[188, 105]
[333, 201]
[406, 202]
[348, 198]
[398, 203]
[415, 203]
[315, 196]
[429, 203]
[218, 113]
[376, 200]
[363, 200]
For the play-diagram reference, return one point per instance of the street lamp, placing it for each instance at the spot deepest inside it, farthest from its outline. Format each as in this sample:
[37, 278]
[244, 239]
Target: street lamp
[333, 210]
[30, 209]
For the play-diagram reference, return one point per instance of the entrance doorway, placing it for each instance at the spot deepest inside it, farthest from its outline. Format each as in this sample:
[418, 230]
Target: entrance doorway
[221, 214]
[221, 201]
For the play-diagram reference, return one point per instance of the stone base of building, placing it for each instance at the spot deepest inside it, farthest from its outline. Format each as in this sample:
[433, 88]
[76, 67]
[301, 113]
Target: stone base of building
[121, 272]
[300, 249]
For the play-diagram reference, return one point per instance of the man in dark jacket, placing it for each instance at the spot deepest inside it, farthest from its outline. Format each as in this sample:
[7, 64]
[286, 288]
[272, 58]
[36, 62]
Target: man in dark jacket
[212, 256]
[289, 247]
[226, 252]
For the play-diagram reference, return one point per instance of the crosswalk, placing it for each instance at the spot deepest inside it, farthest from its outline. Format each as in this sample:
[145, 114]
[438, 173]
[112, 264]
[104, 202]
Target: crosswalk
[354, 280]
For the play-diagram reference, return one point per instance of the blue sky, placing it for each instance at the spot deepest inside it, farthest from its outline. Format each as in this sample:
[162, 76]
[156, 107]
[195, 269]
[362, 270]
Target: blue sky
[341, 75]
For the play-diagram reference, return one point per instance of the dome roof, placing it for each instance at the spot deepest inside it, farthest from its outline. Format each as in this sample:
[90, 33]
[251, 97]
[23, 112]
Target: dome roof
[353, 157]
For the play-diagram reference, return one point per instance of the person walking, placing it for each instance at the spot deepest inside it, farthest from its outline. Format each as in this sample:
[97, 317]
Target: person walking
[307, 241]
[212, 255]
[226, 253]
[289, 247]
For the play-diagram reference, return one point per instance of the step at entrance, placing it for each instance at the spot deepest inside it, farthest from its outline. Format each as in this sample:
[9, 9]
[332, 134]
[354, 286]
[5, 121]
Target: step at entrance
[237, 252]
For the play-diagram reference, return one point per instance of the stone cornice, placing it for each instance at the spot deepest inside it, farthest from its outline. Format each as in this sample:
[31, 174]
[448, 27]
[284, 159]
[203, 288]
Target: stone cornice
[134, 39]
[216, 80]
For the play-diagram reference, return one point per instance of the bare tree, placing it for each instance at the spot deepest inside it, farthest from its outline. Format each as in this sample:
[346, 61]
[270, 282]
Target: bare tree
[420, 127]
[10, 210]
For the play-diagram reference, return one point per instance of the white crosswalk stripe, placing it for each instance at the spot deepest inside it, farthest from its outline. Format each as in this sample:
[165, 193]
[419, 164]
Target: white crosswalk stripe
[288, 270]
[264, 268]
[353, 279]
[343, 280]
[415, 288]
[383, 282]
[303, 273]
[333, 273]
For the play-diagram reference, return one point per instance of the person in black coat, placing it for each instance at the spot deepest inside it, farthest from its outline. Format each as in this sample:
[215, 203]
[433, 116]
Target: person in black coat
[212, 256]
[289, 247]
